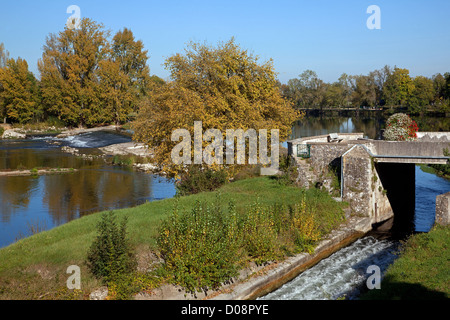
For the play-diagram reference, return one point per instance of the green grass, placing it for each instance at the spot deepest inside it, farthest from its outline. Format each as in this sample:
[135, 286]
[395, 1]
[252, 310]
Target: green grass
[422, 272]
[36, 265]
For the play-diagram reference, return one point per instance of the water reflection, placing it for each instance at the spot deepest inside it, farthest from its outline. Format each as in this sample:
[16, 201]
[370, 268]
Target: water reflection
[51, 200]
[322, 125]
[369, 123]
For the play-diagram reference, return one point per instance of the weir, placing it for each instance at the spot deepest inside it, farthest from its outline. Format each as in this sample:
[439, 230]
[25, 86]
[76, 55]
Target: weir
[376, 177]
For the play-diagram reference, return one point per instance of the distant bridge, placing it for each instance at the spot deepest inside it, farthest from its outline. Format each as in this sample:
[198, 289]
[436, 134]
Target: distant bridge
[376, 177]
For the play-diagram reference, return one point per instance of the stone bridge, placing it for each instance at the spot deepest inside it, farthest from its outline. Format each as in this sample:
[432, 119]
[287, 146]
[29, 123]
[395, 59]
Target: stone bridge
[376, 177]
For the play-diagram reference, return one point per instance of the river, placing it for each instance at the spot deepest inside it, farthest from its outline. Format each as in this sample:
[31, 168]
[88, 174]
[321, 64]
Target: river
[46, 201]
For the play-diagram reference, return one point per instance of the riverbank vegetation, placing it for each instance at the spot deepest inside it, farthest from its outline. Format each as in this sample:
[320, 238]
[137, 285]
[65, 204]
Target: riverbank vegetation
[422, 270]
[35, 267]
[389, 88]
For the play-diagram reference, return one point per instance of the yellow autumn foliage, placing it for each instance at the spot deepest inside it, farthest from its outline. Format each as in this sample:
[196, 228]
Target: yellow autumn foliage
[225, 87]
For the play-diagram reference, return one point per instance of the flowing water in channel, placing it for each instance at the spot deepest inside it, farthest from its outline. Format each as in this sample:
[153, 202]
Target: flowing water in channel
[341, 274]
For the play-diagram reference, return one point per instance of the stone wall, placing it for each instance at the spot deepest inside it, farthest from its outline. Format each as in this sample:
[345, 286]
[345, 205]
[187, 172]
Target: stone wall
[322, 166]
[410, 149]
[443, 209]
[362, 186]
[356, 169]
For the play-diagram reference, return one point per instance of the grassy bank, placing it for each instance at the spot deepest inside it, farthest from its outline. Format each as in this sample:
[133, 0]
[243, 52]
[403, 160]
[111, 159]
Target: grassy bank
[35, 267]
[422, 272]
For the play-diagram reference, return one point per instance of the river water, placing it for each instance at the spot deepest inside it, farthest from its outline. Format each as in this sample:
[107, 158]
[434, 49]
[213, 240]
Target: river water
[46, 201]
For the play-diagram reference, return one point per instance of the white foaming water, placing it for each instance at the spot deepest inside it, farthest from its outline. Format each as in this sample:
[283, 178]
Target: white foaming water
[340, 274]
[78, 141]
[87, 140]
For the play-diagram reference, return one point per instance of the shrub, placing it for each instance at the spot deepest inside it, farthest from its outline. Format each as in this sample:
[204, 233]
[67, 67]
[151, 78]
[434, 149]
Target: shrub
[198, 179]
[199, 247]
[260, 234]
[400, 127]
[288, 169]
[110, 255]
[205, 247]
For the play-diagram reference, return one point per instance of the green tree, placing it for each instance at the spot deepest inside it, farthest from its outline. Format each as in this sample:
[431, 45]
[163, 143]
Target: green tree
[364, 91]
[111, 254]
[334, 95]
[422, 95]
[379, 78]
[20, 92]
[345, 83]
[398, 87]
[307, 91]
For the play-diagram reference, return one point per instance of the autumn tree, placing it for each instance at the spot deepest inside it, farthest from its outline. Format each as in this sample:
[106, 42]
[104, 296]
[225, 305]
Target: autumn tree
[4, 56]
[124, 76]
[68, 70]
[132, 59]
[20, 92]
[225, 87]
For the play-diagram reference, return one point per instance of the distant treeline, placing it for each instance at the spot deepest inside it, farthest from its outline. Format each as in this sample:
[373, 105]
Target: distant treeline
[386, 87]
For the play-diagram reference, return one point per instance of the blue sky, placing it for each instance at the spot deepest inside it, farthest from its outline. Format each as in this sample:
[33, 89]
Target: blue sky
[327, 36]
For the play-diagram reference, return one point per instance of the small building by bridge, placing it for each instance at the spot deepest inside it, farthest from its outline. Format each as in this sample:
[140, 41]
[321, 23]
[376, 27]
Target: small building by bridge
[376, 177]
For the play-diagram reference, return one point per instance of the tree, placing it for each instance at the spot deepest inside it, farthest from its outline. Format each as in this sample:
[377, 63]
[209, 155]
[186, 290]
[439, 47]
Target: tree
[20, 92]
[132, 59]
[398, 87]
[345, 83]
[439, 85]
[422, 95]
[446, 90]
[68, 70]
[334, 95]
[307, 91]
[4, 56]
[225, 87]
[364, 91]
[124, 76]
[379, 78]
[114, 91]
